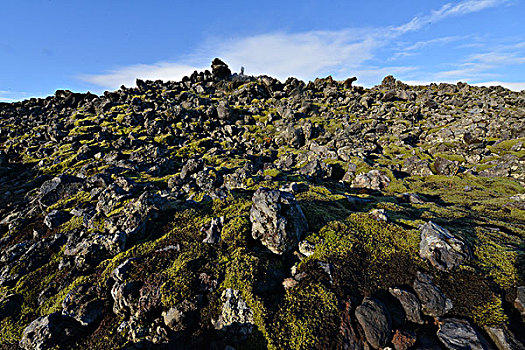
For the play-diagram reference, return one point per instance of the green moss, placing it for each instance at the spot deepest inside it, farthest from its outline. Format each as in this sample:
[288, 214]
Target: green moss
[307, 319]
[498, 261]
[54, 303]
[236, 231]
[490, 313]
[272, 172]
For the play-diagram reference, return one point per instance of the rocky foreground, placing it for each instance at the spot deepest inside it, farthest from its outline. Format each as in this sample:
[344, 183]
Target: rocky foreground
[228, 211]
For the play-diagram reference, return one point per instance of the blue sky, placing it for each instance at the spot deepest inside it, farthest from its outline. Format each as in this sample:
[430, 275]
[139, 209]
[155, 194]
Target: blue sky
[100, 45]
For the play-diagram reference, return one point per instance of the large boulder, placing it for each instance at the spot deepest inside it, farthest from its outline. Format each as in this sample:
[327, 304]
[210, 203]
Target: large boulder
[48, 332]
[442, 249]
[375, 320]
[277, 220]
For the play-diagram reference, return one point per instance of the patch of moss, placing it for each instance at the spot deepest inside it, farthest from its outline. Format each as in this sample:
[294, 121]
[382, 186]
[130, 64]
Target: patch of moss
[307, 319]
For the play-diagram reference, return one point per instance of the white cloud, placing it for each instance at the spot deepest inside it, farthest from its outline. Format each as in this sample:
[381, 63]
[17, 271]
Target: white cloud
[515, 86]
[127, 75]
[304, 55]
[13, 96]
[446, 11]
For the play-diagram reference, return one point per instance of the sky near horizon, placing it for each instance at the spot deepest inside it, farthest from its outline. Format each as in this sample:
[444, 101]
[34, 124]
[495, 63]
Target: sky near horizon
[100, 45]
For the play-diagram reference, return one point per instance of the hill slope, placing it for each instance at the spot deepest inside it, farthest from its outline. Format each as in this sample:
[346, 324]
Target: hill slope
[231, 210]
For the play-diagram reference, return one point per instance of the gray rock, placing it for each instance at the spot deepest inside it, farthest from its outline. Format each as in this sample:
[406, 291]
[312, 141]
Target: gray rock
[125, 297]
[373, 317]
[458, 334]
[51, 191]
[410, 304]
[46, 332]
[56, 218]
[191, 167]
[236, 316]
[379, 214]
[180, 317]
[445, 167]
[519, 302]
[277, 220]
[503, 338]
[433, 301]
[374, 180]
[441, 248]
[213, 230]
[85, 303]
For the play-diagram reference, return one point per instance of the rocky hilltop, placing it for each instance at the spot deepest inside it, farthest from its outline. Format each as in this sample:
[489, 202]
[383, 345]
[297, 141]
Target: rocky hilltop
[227, 211]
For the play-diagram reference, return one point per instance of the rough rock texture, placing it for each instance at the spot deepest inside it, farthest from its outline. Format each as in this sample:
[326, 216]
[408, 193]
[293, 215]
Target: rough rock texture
[441, 248]
[458, 334]
[433, 301]
[49, 331]
[236, 316]
[375, 321]
[277, 220]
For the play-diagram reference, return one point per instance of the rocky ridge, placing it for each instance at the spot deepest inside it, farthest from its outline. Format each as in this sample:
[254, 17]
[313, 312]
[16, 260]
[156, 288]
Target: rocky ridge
[228, 211]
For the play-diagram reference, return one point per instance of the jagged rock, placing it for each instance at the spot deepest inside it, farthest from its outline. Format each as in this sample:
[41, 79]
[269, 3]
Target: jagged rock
[49, 331]
[213, 230]
[277, 220]
[316, 170]
[59, 187]
[519, 302]
[503, 338]
[410, 304]
[373, 317]
[373, 180]
[441, 248]
[85, 303]
[220, 69]
[56, 218]
[180, 317]
[125, 296]
[433, 301]
[236, 316]
[457, 334]
[416, 167]
[191, 167]
[445, 167]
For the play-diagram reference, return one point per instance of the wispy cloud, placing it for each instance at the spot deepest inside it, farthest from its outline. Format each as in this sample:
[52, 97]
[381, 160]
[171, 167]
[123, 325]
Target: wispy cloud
[406, 50]
[127, 75]
[448, 10]
[304, 55]
[13, 96]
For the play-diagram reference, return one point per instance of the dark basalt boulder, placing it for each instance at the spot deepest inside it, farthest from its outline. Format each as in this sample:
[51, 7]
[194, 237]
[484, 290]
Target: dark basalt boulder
[374, 318]
[433, 301]
[277, 220]
[51, 331]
